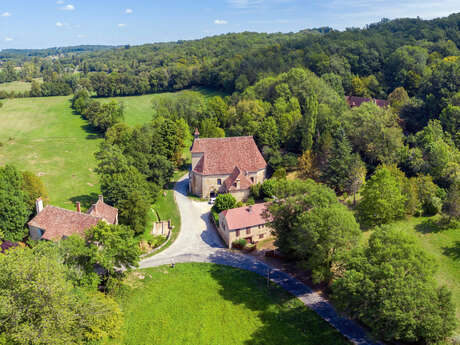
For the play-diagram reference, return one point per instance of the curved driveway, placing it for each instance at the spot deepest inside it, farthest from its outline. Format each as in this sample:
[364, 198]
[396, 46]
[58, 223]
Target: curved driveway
[198, 241]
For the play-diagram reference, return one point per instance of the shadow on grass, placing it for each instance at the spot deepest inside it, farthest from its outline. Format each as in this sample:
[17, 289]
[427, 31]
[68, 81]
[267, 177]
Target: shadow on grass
[284, 319]
[453, 252]
[429, 226]
[85, 200]
[92, 132]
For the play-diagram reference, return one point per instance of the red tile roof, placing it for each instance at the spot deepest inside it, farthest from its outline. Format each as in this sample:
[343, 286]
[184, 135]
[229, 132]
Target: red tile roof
[58, 222]
[237, 173]
[222, 155]
[245, 217]
[354, 101]
[102, 210]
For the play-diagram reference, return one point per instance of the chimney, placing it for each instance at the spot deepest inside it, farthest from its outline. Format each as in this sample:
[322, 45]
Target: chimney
[78, 207]
[101, 198]
[196, 134]
[39, 205]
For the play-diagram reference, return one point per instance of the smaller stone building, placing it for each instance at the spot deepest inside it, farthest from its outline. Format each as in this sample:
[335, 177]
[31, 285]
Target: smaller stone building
[247, 222]
[225, 165]
[54, 223]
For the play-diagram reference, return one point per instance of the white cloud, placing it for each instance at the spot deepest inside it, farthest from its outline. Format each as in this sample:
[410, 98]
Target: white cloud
[59, 24]
[6, 14]
[8, 39]
[68, 7]
[59, 2]
[244, 3]
[121, 25]
[128, 11]
[220, 22]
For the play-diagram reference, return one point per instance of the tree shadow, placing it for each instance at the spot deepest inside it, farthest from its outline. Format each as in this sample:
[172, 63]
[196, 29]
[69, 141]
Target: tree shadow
[182, 187]
[284, 319]
[92, 132]
[85, 200]
[453, 252]
[429, 226]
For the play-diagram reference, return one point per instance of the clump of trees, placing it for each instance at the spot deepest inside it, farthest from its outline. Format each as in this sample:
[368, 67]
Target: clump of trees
[389, 285]
[312, 227]
[100, 116]
[223, 202]
[42, 303]
[18, 192]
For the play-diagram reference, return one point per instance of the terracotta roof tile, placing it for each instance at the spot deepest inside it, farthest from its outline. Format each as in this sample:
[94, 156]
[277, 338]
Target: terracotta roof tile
[236, 174]
[58, 222]
[247, 216]
[222, 155]
[102, 210]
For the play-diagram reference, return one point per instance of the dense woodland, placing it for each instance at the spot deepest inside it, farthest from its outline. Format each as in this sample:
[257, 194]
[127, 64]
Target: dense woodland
[287, 90]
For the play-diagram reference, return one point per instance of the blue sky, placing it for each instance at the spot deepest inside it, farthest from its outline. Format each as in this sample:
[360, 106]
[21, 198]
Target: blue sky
[50, 23]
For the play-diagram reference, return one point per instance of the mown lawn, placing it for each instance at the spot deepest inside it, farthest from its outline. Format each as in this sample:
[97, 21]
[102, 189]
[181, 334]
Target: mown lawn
[444, 246]
[205, 304]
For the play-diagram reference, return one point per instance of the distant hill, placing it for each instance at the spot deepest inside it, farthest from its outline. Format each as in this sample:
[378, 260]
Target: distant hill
[24, 53]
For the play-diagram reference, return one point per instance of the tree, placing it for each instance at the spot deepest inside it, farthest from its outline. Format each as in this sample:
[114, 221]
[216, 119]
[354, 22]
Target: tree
[382, 199]
[209, 128]
[116, 245]
[306, 165]
[14, 209]
[313, 228]
[40, 306]
[224, 202]
[134, 211]
[430, 195]
[389, 286]
[33, 188]
[452, 204]
[357, 176]
[398, 98]
[374, 133]
[337, 172]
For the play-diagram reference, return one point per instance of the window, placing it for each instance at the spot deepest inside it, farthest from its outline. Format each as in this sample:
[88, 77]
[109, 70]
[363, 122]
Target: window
[252, 179]
[261, 236]
[248, 231]
[261, 226]
[237, 233]
[219, 182]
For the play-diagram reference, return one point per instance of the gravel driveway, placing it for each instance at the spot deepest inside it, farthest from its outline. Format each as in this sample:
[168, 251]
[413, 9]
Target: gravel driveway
[198, 241]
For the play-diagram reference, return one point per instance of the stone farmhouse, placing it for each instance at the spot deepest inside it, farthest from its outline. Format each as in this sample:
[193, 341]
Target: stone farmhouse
[225, 165]
[354, 101]
[54, 223]
[247, 222]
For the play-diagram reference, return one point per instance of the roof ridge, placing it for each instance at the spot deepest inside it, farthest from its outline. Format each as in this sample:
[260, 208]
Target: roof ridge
[65, 209]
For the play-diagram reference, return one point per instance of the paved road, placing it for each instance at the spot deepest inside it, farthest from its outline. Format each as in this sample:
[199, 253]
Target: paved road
[198, 241]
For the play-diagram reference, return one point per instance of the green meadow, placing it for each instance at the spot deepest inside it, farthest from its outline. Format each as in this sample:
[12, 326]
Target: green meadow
[201, 304]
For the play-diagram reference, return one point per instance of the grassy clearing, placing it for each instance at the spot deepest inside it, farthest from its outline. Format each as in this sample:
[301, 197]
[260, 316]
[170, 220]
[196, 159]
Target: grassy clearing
[43, 136]
[211, 304]
[17, 86]
[444, 246]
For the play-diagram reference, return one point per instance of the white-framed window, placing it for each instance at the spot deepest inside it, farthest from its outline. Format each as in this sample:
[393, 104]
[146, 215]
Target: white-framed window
[219, 182]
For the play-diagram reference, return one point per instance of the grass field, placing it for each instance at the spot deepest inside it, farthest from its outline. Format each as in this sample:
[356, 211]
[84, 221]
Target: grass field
[138, 109]
[43, 136]
[444, 246]
[205, 304]
[17, 86]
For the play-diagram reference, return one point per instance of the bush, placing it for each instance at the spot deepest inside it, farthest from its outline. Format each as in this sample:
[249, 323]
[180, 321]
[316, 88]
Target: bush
[224, 202]
[239, 244]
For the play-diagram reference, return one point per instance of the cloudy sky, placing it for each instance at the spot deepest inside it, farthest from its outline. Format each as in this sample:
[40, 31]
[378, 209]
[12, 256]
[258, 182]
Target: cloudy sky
[50, 23]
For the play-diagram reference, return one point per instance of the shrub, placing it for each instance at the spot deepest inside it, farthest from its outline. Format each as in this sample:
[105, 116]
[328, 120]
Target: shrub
[239, 244]
[224, 202]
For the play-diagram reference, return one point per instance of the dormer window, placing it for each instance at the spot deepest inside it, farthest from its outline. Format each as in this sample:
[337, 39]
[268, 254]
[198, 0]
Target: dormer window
[219, 182]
